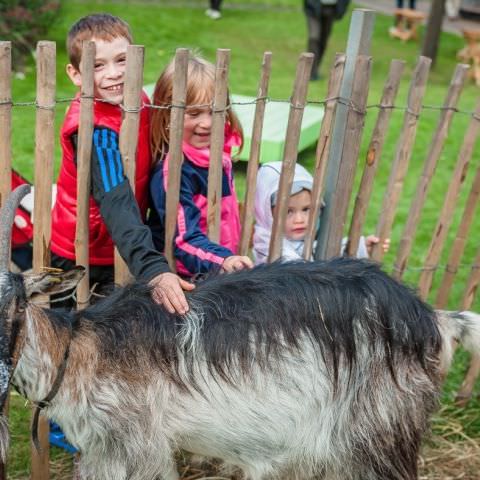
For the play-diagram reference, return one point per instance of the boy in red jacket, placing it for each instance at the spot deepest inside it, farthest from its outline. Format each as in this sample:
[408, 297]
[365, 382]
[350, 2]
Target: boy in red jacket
[116, 213]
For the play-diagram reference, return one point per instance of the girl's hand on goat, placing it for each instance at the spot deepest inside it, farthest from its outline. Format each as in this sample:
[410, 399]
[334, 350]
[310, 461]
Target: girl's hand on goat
[372, 240]
[168, 291]
[236, 262]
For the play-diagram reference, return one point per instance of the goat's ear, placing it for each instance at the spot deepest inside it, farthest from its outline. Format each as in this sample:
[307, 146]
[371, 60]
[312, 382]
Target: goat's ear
[52, 280]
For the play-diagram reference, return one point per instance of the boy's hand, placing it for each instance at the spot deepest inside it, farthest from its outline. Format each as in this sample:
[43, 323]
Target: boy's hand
[168, 291]
[372, 240]
[236, 262]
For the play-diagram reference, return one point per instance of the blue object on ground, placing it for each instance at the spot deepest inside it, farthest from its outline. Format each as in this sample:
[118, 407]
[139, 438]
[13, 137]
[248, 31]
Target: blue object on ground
[57, 438]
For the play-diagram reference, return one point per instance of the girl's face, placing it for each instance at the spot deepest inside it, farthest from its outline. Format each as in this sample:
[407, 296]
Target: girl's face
[197, 126]
[297, 215]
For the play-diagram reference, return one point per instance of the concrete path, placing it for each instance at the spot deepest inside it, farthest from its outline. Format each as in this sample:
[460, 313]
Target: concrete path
[388, 6]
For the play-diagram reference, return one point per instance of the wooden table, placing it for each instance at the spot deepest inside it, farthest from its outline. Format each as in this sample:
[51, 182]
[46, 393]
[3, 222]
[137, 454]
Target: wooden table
[471, 52]
[406, 24]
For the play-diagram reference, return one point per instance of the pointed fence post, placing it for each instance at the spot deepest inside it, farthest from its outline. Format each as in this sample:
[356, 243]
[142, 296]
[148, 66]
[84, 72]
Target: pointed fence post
[256, 143]
[5, 120]
[460, 241]
[44, 154]
[436, 147]
[215, 170]
[447, 213]
[5, 144]
[132, 105]
[340, 198]
[84, 154]
[175, 159]
[359, 39]
[374, 153]
[402, 156]
[297, 106]
[466, 389]
[322, 151]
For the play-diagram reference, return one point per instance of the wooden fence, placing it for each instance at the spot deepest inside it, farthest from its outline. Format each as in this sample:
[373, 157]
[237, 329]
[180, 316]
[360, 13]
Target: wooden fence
[337, 163]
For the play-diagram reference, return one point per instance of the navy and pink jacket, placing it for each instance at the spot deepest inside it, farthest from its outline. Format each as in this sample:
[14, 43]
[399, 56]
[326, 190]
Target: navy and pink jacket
[193, 250]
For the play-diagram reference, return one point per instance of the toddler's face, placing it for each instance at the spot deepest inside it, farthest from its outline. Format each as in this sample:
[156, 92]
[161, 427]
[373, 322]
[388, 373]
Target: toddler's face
[197, 127]
[109, 70]
[297, 215]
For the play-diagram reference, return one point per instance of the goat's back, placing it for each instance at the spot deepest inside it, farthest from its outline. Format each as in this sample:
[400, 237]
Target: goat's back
[323, 368]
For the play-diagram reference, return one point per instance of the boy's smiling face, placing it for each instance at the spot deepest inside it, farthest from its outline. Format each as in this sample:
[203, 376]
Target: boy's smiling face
[109, 72]
[297, 215]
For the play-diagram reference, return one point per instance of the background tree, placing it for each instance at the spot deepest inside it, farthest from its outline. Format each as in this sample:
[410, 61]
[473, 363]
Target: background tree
[434, 29]
[24, 22]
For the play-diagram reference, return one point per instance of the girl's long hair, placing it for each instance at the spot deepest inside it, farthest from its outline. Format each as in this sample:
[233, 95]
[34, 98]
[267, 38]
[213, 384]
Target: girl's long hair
[200, 91]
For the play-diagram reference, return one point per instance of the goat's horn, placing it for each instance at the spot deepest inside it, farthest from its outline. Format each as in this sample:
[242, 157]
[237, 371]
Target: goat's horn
[7, 215]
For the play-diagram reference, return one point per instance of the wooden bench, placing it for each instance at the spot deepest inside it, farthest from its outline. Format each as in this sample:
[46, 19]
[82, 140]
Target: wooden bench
[471, 52]
[407, 22]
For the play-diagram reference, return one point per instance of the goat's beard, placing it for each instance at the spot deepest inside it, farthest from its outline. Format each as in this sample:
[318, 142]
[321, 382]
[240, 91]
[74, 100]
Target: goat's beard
[4, 438]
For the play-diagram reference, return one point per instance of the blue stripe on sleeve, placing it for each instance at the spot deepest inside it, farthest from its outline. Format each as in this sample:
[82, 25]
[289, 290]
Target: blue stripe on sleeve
[118, 158]
[101, 159]
[111, 164]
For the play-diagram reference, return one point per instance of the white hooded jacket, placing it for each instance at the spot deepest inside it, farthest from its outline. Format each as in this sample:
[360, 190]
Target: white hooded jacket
[268, 180]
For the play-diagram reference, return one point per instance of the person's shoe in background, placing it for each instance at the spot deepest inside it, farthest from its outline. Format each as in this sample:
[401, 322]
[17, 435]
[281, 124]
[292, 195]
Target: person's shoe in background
[213, 14]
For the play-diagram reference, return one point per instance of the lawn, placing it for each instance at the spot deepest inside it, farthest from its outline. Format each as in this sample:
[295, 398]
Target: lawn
[248, 28]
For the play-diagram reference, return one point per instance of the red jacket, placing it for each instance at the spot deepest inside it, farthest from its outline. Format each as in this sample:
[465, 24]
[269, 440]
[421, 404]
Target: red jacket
[22, 232]
[64, 213]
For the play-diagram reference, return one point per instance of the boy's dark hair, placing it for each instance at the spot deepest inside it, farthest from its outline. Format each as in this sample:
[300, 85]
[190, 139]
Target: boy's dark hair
[102, 26]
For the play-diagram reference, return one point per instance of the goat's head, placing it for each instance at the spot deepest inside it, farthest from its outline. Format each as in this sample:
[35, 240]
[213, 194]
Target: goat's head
[15, 290]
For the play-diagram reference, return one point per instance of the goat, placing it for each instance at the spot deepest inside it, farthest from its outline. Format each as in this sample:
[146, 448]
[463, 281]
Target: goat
[298, 370]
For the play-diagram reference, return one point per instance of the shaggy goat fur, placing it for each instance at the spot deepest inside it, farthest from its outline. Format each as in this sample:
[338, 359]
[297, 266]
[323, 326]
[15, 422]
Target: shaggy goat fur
[326, 369]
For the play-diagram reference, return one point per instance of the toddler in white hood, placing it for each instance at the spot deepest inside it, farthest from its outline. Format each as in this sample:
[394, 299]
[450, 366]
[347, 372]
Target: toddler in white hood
[296, 223]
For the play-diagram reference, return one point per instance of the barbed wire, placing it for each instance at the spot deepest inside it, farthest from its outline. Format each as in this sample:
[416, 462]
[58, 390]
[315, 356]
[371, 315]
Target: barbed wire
[430, 268]
[338, 99]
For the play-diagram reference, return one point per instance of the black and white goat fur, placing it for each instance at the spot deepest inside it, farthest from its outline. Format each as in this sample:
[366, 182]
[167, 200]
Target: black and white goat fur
[328, 370]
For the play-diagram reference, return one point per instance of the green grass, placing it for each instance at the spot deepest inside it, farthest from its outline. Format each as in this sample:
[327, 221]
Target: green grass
[249, 32]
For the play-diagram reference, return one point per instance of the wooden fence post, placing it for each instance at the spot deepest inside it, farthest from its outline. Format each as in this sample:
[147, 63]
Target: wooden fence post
[446, 215]
[175, 160]
[436, 147]
[322, 151]
[297, 106]
[402, 155]
[84, 154]
[466, 389]
[359, 39]
[458, 247]
[214, 195]
[5, 119]
[44, 154]
[340, 198]
[473, 372]
[256, 143]
[5, 144]
[132, 106]
[373, 155]
[472, 284]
